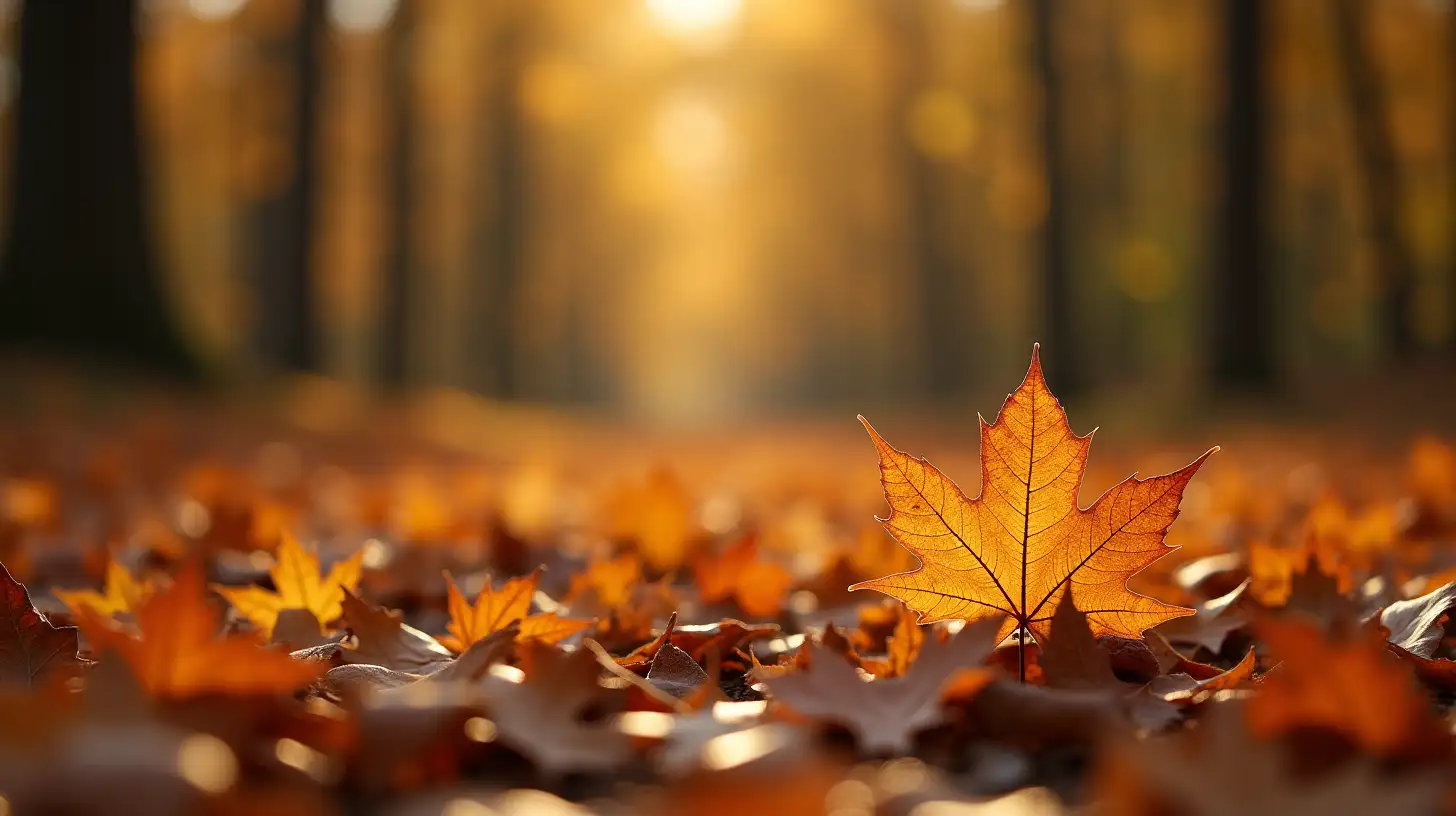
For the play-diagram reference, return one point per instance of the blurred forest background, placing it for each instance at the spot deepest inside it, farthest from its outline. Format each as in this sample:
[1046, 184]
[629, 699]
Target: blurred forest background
[687, 211]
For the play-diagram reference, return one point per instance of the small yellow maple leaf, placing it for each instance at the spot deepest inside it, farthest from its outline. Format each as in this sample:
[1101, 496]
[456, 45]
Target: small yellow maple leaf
[122, 593]
[495, 609]
[1018, 548]
[299, 584]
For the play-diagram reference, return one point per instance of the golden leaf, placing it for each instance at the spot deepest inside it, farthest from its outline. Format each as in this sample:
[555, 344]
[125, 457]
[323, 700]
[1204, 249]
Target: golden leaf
[1017, 548]
[122, 593]
[300, 585]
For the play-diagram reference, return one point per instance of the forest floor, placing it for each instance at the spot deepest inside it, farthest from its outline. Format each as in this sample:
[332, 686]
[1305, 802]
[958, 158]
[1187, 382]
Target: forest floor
[313, 601]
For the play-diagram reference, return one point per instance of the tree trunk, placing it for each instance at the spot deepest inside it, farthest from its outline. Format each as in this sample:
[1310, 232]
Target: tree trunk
[503, 208]
[1379, 174]
[1243, 329]
[287, 323]
[399, 80]
[1061, 358]
[78, 276]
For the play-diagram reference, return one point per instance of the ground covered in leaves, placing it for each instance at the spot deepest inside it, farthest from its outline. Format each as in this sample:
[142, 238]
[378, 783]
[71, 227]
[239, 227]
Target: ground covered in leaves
[201, 613]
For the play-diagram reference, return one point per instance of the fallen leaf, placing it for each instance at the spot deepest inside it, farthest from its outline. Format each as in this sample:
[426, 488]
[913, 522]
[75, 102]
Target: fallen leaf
[737, 573]
[178, 653]
[33, 651]
[884, 715]
[1221, 769]
[1348, 685]
[1211, 622]
[298, 585]
[606, 583]
[655, 515]
[382, 638]
[121, 594]
[1416, 625]
[1181, 686]
[1073, 659]
[1016, 549]
[698, 641]
[495, 609]
[541, 716]
[675, 672]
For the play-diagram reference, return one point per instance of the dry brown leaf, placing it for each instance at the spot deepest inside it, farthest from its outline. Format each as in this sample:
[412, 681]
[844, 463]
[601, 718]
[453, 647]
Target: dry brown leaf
[382, 638]
[1211, 622]
[541, 717]
[1416, 625]
[1016, 549]
[886, 714]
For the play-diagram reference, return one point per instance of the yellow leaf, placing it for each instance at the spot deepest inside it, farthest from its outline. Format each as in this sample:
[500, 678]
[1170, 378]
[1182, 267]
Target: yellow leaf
[299, 585]
[1017, 548]
[122, 594]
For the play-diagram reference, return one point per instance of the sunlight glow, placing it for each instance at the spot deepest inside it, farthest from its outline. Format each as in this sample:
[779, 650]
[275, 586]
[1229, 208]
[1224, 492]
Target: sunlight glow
[690, 16]
[215, 9]
[362, 16]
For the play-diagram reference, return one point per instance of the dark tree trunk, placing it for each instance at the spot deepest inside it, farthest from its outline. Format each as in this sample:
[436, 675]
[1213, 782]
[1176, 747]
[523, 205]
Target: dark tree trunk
[504, 207]
[1243, 335]
[286, 323]
[1062, 359]
[935, 270]
[1379, 174]
[78, 277]
[399, 79]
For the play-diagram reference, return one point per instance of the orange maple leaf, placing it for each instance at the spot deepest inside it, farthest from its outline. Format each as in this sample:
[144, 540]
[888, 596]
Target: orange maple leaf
[178, 653]
[758, 587]
[1017, 548]
[300, 585]
[495, 609]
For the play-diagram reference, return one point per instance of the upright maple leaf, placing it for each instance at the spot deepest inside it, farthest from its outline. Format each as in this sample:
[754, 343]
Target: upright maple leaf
[495, 609]
[300, 585]
[1017, 548]
[179, 654]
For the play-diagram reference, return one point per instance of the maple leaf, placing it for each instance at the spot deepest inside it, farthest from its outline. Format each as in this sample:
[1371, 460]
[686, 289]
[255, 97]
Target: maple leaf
[33, 651]
[178, 653]
[758, 587]
[299, 584]
[885, 714]
[121, 593]
[495, 609]
[1017, 548]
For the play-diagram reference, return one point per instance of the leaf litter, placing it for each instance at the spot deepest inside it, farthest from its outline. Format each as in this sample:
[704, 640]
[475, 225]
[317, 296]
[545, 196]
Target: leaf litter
[682, 642]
